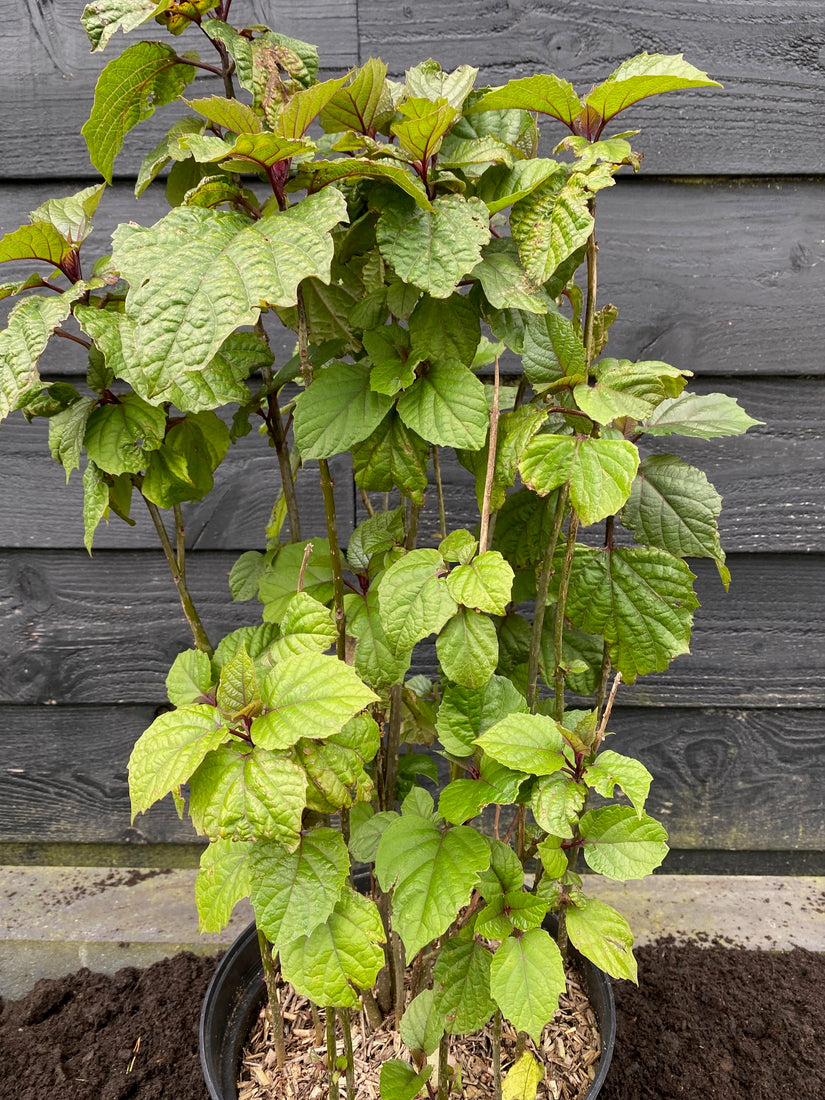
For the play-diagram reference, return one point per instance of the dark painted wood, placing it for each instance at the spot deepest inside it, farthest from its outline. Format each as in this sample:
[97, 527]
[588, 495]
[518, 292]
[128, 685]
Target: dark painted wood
[718, 279]
[767, 53]
[726, 780]
[49, 75]
[105, 630]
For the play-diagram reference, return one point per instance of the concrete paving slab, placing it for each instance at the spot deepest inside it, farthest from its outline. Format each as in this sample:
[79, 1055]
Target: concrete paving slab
[54, 920]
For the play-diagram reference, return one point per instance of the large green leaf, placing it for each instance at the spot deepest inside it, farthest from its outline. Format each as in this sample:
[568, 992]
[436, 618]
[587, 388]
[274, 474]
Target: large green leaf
[552, 349]
[399, 1081]
[466, 713]
[66, 432]
[523, 1079]
[447, 406]
[31, 324]
[72, 216]
[422, 1025]
[640, 599]
[324, 172]
[248, 153]
[485, 583]
[434, 250]
[413, 600]
[467, 648]
[130, 88]
[231, 114]
[422, 126]
[255, 795]
[308, 695]
[295, 892]
[461, 981]
[181, 468]
[102, 18]
[95, 502]
[336, 767]
[600, 472]
[279, 585]
[703, 416]
[551, 224]
[462, 799]
[432, 873]
[556, 802]
[500, 186]
[526, 980]
[675, 507]
[343, 951]
[306, 626]
[120, 437]
[622, 388]
[543, 92]
[337, 410]
[616, 842]
[429, 80]
[603, 936]
[197, 275]
[445, 330]
[189, 678]
[642, 76]
[302, 108]
[505, 283]
[375, 661]
[223, 880]
[170, 750]
[531, 743]
[392, 457]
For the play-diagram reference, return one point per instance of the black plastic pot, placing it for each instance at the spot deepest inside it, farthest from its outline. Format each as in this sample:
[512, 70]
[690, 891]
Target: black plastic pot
[236, 993]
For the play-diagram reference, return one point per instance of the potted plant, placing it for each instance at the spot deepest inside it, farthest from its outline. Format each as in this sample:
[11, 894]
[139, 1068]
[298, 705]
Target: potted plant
[426, 258]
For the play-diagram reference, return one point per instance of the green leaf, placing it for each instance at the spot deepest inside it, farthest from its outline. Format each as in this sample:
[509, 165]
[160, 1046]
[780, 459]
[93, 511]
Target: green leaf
[257, 640]
[255, 795]
[66, 432]
[582, 655]
[463, 799]
[461, 982]
[95, 502]
[552, 349]
[556, 803]
[554, 860]
[295, 892]
[170, 750]
[422, 1025]
[432, 873]
[642, 76]
[505, 283]
[279, 585]
[343, 951]
[505, 873]
[310, 696]
[526, 980]
[545, 93]
[465, 714]
[366, 831]
[249, 152]
[623, 388]
[399, 1081]
[485, 583]
[306, 626]
[610, 768]
[603, 936]
[121, 436]
[169, 148]
[102, 18]
[214, 191]
[375, 661]
[413, 599]
[198, 275]
[324, 172]
[338, 410]
[459, 546]
[223, 880]
[531, 743]
[238, 693]
[473, 156]
[445, 330]
[429, 80]
[392, 457]
[500, 186]
[551, 224]
[434, 250]
[640, 599]
[467, 648]
[363, 103]
[524, 527]
[423, 126]
[702, 416]
[600, 472]
[336, 768]
[231, 114]
[130, 88]
[31, 324]
[9, 290]
[620, 844]
[181, 468]
[523, 1079]
[380, 532]
[447, 406]
[72, 216]
[674, 506]
[189, 678]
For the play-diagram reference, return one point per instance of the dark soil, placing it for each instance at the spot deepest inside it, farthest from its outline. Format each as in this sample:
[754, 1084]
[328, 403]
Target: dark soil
[713, 1022]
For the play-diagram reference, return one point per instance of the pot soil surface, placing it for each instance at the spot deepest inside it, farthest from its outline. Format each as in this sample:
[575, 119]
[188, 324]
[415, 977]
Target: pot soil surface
[713, 1022]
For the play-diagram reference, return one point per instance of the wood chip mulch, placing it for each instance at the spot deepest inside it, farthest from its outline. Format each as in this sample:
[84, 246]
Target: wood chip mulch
[569, 1050]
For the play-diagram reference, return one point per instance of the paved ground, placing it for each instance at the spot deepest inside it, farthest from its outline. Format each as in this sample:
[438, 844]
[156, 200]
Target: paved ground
[54, 920]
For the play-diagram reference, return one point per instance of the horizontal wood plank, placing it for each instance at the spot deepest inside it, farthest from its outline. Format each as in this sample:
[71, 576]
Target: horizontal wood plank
[103, 630]
[724, 780]
[767, 53]
[49, 75]
[719, 279]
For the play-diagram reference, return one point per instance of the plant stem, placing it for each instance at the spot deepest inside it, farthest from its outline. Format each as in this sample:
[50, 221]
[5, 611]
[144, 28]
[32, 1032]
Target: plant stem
[180, 536]
[542, 587]
[69, 335]
[346, 1028]
[443, 1077]
[316, 1023]
[439, 488]
[273, 1007]
[491, 465]
[367, 502]
[497, 1055]
[558, 634]
[592, 283]
[371, 1009]
[327, 489]
[397, 960]
[392, 747]
[178, 576]
[332, 1054]
[303, 338]
[276, 431]
[411, 537]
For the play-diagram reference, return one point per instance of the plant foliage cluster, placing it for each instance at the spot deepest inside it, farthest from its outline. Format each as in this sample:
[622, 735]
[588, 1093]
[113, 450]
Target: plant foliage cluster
[410, 234]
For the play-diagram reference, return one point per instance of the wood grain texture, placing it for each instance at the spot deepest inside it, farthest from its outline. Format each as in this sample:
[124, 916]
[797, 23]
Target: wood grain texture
[48, 76]
[723, 278]
[724, 780]
[105, 630]
[767, 53]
